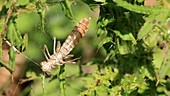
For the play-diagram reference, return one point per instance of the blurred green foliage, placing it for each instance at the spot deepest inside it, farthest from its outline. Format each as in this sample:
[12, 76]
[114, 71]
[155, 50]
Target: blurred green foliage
[125, 51]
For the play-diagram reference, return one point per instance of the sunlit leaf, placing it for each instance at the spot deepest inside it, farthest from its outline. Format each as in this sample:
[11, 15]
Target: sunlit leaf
[101, 31]
[164, 69]
[22, 2]
[25, 42]
[154, 20]
[158, 57]
[147, 27]
[2, 32]
[137, 8]
[66, 6]
[104, 41]
[12, 61]
[1, 4]
[123, 47]
[125, 37]
[100, 0]
[12, 54]
[152, 38]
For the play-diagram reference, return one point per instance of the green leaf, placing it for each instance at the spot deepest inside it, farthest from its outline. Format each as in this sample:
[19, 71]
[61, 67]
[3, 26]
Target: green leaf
[25, 42]
[165, 67]
[102, 23]
[152, 38]
[12, 61]
[123, 47]
[1, 4]
[140, 1]
[22, 2]
[66, 6]
[158, 57]
[100, 1]
[2, 32]
[153, 21]
[104, 41]
[147, 27]
[137, 8]
[126, 37]
[101, 31]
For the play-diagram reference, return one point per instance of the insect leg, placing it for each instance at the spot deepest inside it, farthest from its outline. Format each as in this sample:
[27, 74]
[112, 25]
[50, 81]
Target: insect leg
[54, 45]
[58, 46]
[72, 61]
[68, 56]
[46, 55]
[46, 50]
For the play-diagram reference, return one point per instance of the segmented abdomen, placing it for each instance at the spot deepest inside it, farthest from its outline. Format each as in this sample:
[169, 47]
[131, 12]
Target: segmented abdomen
[78, 32]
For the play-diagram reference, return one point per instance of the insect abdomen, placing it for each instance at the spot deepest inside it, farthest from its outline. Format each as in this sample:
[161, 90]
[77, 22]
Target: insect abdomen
[78, 32]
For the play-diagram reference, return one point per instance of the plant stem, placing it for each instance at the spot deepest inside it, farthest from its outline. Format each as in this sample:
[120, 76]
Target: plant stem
[62, 80]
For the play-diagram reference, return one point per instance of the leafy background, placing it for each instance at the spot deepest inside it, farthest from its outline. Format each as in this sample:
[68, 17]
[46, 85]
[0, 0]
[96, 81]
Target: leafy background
[125, 51]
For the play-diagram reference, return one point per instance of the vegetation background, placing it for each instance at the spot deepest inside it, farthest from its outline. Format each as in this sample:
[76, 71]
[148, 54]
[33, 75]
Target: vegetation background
[124, 53]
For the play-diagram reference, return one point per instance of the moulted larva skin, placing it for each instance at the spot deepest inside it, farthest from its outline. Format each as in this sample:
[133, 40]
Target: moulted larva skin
[62, 52]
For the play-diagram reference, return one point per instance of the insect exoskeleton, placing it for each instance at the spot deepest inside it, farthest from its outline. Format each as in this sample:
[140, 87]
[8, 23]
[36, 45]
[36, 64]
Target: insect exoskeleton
[61, 53]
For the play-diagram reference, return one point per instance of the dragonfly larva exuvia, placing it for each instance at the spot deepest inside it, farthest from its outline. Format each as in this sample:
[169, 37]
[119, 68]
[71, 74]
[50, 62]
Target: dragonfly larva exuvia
[61, 53]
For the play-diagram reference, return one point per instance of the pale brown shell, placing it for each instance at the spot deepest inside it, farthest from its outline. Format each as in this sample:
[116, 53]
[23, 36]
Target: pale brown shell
[63, 52]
